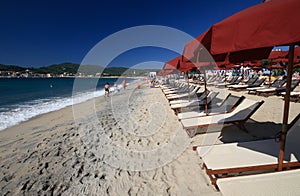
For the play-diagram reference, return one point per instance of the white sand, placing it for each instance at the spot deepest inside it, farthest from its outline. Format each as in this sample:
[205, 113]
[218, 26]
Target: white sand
[128, 144]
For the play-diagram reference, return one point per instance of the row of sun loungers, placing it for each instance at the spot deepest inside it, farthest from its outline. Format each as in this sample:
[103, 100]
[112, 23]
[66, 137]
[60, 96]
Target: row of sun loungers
[239, 168]
[232, 109]
[277, 90]
[255, 86]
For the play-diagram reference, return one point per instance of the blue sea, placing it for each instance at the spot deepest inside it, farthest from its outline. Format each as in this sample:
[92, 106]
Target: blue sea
[25, 98]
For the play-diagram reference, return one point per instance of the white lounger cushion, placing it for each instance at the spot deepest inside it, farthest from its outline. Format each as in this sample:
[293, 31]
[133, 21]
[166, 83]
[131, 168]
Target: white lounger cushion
[239, 86]
[266, 90]
[292, 93]
[277, 183]
[183, 101]
[251, 153]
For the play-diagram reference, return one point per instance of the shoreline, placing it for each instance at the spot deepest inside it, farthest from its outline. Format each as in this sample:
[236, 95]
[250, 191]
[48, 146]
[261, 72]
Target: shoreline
[85, 96]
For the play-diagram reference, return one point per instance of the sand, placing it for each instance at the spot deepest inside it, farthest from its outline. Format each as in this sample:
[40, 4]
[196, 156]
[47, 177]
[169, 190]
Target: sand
[128, 144]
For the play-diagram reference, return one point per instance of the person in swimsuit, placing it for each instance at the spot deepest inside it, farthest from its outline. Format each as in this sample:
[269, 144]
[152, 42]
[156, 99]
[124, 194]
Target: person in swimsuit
[124, 84]
[106, 89]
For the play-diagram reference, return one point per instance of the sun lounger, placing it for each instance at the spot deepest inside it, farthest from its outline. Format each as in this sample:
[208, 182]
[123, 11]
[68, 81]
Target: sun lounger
[179, 90]
[183, 88]
[171, 85]
[219, 80]
[174, 85]
[210, 97]
[294, 96]
[233, 158]
[257, 83]
[196, 97]
[276, 84]
[277, 90]
[227, 105]
[250, 81]
[238, 116]
[178, 96]
[230, 82]
[276, 183]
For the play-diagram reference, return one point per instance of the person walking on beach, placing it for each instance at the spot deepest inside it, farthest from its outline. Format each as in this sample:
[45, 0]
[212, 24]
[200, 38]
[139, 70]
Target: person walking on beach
[116, 89]
[106, 89]
[124, 84]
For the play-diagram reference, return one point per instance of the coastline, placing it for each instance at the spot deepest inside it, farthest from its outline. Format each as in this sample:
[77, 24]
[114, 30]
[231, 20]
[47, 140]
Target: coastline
[22, 111]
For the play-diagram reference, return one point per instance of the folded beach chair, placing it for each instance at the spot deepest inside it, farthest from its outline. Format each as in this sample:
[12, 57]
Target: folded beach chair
[278, 90]
[223, 160]
[251, 81]
[275, 183]
[239, 116]
[227, 105]
[201, 102]
[257, 83]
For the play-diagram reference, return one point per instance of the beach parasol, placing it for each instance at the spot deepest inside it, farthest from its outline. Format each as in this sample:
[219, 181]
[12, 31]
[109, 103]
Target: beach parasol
[181, 66]
[185, 66]
[196, 53]
[253, 33]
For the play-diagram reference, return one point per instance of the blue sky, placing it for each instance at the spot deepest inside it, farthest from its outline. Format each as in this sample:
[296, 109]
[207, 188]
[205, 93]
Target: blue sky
[41, 33]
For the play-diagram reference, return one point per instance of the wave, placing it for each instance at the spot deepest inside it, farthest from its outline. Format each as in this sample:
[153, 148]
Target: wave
[23, 112]
[16, 114]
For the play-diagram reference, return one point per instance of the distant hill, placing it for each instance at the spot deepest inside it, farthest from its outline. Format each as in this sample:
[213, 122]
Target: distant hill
[73, 68]
[11, 68]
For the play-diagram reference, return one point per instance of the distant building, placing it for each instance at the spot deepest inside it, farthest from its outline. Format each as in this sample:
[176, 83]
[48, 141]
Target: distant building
[152, 74]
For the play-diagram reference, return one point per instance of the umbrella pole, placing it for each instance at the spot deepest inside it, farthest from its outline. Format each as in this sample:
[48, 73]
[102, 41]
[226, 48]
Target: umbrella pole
[286, 107]
[187, 75]
[205, 90]
[270, 76]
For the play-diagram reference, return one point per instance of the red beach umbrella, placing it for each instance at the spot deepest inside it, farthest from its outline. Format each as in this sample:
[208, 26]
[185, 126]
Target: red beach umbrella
[172, 64]
[252, 33]
[278, 22]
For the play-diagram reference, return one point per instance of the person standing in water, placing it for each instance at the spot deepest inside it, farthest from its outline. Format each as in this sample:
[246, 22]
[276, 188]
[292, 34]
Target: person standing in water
[106, 89]
[124, 84]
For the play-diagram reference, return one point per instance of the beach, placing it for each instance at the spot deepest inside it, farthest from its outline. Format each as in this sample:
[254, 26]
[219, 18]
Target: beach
[130, 143]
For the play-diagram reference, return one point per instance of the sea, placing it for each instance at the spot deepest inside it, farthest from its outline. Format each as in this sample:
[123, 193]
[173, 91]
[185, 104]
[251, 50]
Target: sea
[25, 98]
